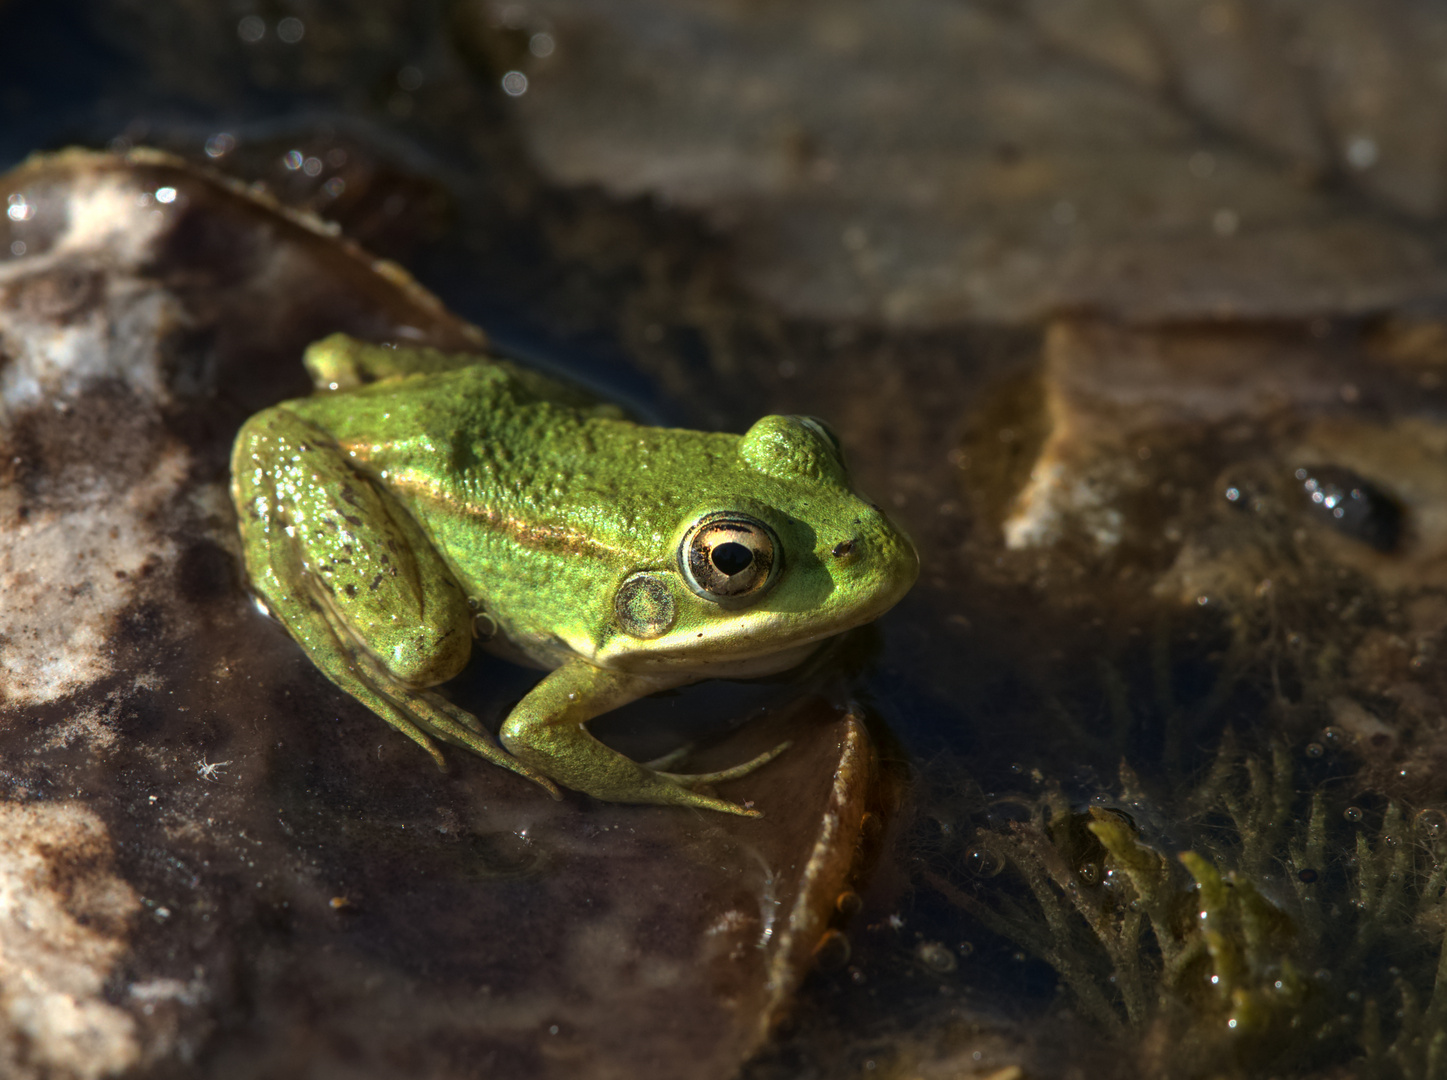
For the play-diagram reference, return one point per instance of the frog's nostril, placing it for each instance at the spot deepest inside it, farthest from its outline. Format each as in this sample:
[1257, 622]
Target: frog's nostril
[843, 548]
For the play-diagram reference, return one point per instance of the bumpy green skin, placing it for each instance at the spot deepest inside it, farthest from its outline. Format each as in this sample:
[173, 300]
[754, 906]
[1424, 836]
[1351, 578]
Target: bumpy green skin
[415, 489]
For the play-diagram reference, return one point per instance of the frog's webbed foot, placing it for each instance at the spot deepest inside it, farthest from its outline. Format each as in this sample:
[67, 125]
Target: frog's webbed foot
[446, 721]
[418, 713]
[415, 713]
[666, 762]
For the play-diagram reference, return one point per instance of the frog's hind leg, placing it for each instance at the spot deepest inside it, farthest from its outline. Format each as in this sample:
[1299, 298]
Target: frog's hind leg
[414, 713]
[353, 578]
[423, 711]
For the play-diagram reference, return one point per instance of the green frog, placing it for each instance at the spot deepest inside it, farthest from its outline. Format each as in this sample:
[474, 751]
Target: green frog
[419, 502]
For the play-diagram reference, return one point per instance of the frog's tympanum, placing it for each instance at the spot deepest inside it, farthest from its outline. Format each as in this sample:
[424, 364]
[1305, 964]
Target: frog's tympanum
[420, 500]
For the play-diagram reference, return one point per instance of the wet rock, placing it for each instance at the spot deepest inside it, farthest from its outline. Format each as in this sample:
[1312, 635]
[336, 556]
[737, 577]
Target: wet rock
[64, 921]
[1201, 467]
[1279, 425]
[212, 862]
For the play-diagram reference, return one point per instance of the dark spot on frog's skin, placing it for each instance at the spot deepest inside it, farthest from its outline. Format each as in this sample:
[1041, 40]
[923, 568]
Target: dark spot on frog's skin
[377, 581]
[352, 520]
[348, 495]
[351, 590]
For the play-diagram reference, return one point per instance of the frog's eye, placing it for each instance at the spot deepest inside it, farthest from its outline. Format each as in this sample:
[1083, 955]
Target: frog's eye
[729, 558]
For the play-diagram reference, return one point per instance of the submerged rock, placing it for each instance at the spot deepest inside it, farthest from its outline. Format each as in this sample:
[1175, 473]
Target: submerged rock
[1002, 161]
[211, 861]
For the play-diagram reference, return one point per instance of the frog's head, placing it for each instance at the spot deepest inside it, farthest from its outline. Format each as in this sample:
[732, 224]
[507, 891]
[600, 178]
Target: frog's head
[778, 554]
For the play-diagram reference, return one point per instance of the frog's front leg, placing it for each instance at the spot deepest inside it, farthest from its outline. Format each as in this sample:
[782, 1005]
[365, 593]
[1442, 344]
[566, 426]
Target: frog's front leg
[355, 580]
[548, 731]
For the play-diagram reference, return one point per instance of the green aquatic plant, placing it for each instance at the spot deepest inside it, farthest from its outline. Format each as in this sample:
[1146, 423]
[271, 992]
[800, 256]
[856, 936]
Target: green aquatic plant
[1290, 932]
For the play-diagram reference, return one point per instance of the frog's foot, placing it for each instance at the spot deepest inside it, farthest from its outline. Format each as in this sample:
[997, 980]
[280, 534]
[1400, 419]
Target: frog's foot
[686, 796]
[414, 713]
[692, 779]
[459, 727]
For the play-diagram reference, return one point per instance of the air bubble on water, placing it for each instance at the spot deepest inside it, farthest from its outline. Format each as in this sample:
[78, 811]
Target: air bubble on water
[936, 957]
[983, 862]
[1431, 823]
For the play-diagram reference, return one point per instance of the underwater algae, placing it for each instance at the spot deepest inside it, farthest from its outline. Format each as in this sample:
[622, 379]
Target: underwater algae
[1281, 939]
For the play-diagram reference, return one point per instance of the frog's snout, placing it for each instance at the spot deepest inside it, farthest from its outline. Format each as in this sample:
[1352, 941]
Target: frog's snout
[877, 541]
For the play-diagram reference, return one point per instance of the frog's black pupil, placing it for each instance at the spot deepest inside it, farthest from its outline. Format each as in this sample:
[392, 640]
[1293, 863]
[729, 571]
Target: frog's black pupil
[731, 558]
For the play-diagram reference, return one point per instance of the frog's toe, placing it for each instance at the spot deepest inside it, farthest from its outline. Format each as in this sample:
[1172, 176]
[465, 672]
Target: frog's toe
[665, 762]
[697, 799]
[462, 716]
[461, 728]
[692, 779]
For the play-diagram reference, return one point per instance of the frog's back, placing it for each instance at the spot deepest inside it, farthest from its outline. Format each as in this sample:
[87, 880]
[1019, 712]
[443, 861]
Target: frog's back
[491, 442]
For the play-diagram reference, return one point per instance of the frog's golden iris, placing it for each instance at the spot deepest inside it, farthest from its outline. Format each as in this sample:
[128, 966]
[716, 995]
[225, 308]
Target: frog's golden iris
[729, 558]
[419, 498]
